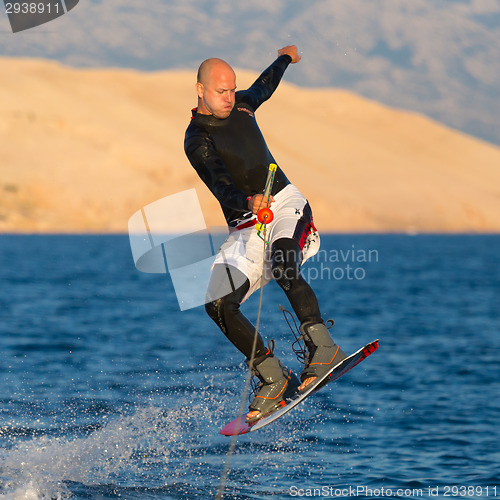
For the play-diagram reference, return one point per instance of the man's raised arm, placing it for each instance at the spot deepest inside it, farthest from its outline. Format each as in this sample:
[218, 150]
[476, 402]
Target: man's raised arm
[262, 89]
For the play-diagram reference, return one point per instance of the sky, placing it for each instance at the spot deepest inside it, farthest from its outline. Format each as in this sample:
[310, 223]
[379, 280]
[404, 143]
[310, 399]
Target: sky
[440, 58]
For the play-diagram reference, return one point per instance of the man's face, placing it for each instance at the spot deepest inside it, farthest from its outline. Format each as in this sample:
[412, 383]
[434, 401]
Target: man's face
[216, 95]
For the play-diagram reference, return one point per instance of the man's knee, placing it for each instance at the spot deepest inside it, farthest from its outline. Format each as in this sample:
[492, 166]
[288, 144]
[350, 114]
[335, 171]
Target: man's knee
[215, 309]
[219, 309]
[286, 257]
[283, 276]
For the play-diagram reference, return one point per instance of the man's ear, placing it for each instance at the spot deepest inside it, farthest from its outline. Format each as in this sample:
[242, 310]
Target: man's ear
[200, 89]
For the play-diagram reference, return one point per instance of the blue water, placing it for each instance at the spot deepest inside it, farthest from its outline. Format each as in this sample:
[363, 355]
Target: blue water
[109, 391]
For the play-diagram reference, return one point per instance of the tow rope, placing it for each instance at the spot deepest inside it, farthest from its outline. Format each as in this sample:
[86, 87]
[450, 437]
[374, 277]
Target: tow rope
[264, 215]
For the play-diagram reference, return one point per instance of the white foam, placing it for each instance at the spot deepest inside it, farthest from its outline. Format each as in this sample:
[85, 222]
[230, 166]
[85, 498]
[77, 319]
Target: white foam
[122, 448]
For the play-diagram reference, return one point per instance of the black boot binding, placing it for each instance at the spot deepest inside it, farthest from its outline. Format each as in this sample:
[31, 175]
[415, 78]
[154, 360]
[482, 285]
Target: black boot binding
[276, 384]
[323, 353]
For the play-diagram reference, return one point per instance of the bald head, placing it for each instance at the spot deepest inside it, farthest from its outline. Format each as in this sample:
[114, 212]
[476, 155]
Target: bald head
[216, 87]
[210, 66]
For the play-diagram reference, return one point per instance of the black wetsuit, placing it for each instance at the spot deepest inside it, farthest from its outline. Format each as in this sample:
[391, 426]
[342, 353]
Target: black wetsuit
[231, 155]
[232, 158]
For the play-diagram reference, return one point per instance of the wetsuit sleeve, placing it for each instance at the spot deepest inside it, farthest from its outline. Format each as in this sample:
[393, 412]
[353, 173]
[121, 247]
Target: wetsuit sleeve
[212, 171]
[262, 89]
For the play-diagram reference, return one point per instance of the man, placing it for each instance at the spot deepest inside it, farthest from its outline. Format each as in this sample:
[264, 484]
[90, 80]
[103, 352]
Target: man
[224, 144]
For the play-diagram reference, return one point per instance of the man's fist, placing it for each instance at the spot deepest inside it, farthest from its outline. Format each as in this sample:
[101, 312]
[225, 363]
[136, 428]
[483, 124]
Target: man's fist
[258, 201]
[290, 50]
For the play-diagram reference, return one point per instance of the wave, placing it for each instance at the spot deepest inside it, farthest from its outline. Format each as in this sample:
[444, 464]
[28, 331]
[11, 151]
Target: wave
[122, 451]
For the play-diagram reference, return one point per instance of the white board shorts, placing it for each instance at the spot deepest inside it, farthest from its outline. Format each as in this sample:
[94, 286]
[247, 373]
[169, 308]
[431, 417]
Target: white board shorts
[245, 249]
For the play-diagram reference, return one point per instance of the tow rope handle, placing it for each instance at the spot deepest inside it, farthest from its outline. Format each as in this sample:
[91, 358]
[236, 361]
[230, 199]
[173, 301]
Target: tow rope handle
[265, 215]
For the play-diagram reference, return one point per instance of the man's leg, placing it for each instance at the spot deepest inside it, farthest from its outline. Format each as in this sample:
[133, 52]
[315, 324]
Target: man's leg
[227, 288]
[286, 256]
[275, 380]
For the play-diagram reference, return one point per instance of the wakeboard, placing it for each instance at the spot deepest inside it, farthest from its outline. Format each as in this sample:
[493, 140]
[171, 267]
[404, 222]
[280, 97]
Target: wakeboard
[239, 426]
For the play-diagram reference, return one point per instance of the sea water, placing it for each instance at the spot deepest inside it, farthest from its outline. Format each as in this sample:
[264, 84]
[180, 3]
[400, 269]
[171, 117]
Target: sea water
[108, 390]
